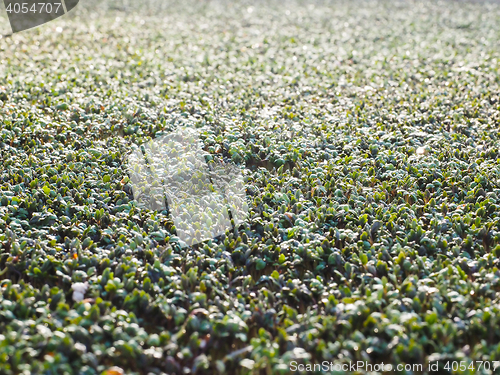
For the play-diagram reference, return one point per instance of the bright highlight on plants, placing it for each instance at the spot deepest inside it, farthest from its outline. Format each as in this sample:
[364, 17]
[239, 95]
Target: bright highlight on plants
[198, 194]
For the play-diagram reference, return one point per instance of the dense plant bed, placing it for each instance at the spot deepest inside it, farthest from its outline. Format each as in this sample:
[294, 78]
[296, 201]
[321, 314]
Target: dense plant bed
[368, 135]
